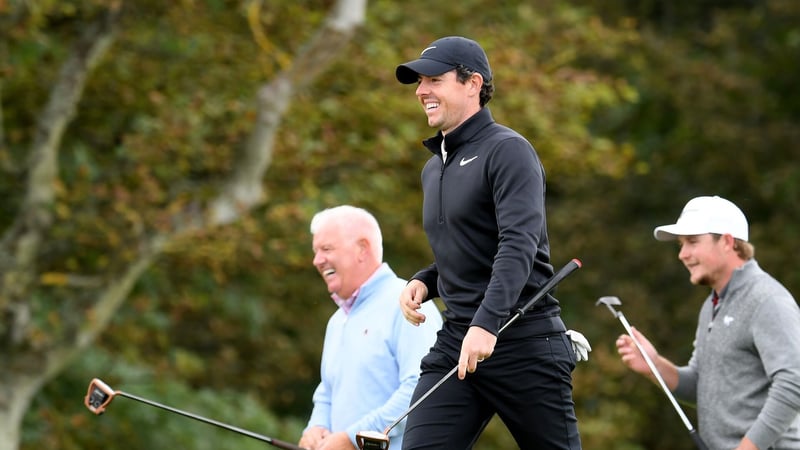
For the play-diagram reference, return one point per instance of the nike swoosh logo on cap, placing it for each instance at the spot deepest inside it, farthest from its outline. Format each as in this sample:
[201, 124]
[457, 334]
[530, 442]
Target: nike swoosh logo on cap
[429, 48]
[464, 162]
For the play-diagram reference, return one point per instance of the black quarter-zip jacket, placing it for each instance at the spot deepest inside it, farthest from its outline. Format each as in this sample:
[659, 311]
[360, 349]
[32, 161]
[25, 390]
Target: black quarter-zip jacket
[484, 216]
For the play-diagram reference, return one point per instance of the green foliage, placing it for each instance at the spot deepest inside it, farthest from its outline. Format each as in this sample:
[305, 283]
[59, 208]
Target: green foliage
[59, 419]
[633, 109]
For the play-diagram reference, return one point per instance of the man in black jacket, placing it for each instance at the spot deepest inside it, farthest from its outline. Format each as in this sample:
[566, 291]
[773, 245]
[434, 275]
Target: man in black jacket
[484, 215]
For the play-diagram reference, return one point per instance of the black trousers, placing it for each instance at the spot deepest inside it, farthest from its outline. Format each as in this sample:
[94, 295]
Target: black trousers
[527, 381]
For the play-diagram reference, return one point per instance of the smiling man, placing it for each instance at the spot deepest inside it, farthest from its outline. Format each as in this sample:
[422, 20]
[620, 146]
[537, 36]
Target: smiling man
[744, 373]
[484, 215]
[371, 355]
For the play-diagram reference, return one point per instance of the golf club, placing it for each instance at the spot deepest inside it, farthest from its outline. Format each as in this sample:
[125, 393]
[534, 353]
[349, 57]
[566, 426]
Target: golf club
[610, 302]
[99, 396]
[371, 440]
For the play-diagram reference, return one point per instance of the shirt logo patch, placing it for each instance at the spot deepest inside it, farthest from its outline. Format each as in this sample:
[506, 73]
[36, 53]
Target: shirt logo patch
[464, 162]
[728, 320]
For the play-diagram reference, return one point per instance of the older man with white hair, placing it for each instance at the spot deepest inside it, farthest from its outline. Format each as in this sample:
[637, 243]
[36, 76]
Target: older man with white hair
[371, 355]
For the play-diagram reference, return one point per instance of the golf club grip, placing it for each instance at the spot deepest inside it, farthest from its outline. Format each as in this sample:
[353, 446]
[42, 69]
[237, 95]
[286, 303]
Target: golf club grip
[568, 268]
[548, 286]
[697, 440]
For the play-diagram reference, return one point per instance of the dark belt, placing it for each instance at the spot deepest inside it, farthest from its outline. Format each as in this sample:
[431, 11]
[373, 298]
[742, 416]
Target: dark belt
[523, 326]
[534, 326]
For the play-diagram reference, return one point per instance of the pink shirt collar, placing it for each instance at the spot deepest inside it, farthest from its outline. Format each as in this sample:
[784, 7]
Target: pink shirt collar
[345, 303]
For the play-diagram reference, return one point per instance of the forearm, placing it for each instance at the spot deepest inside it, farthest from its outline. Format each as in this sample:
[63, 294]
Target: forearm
[667, 370]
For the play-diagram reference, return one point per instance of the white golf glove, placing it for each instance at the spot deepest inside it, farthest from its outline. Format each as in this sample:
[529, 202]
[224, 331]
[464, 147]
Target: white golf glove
[580, 345]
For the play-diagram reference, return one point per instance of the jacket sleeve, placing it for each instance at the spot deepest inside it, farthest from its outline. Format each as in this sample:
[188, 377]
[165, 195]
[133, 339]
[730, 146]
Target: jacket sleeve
[429, 276]
[776, 332]
[517, 181]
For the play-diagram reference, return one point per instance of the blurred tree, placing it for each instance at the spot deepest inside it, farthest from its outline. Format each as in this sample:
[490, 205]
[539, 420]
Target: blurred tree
[81, 238]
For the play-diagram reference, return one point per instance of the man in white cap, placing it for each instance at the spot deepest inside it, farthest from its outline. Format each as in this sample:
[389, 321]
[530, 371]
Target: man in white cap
[744, 372]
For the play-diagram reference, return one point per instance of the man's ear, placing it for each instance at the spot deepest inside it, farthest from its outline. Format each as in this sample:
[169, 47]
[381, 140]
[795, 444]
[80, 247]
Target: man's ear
[477, 81]
[730, 241]
[364, 247]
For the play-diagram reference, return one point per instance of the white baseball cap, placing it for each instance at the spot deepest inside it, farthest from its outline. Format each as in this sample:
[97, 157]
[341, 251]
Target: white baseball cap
[703, 215]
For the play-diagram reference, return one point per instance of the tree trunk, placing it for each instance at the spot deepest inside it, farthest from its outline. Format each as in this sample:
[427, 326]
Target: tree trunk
[18, 393]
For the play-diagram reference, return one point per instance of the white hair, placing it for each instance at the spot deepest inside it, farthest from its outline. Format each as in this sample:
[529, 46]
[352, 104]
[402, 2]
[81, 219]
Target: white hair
[355, 223]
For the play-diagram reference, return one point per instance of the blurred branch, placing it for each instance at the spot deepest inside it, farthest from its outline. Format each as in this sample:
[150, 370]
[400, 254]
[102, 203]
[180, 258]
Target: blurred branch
[5, 163]
[244, 189]
[108, 303]
[61, 107]
[26, 370]
[261, 38]
[22, 240]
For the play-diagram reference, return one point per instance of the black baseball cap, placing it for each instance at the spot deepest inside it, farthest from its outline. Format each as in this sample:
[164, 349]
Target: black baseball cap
[443, 55]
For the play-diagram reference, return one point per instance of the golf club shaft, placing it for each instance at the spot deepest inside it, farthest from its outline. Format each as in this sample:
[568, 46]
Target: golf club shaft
[549, 285]
[695, 437]
[275, 442]
[419, 400]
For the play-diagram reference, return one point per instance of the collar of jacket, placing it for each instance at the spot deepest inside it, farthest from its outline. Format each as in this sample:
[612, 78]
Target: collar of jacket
[740, 277]
[456, 138]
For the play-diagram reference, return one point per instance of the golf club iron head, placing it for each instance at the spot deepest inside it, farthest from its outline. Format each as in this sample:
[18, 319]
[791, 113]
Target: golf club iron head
[609, 301]
[98, 396]
[372, 440]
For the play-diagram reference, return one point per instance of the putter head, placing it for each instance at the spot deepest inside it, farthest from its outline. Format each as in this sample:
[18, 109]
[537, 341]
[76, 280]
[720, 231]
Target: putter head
[98, 396]
[372, 440]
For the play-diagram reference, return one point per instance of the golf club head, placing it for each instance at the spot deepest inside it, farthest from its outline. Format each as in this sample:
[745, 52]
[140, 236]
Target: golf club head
[372, 440]
[608, 300]
[98, 396]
